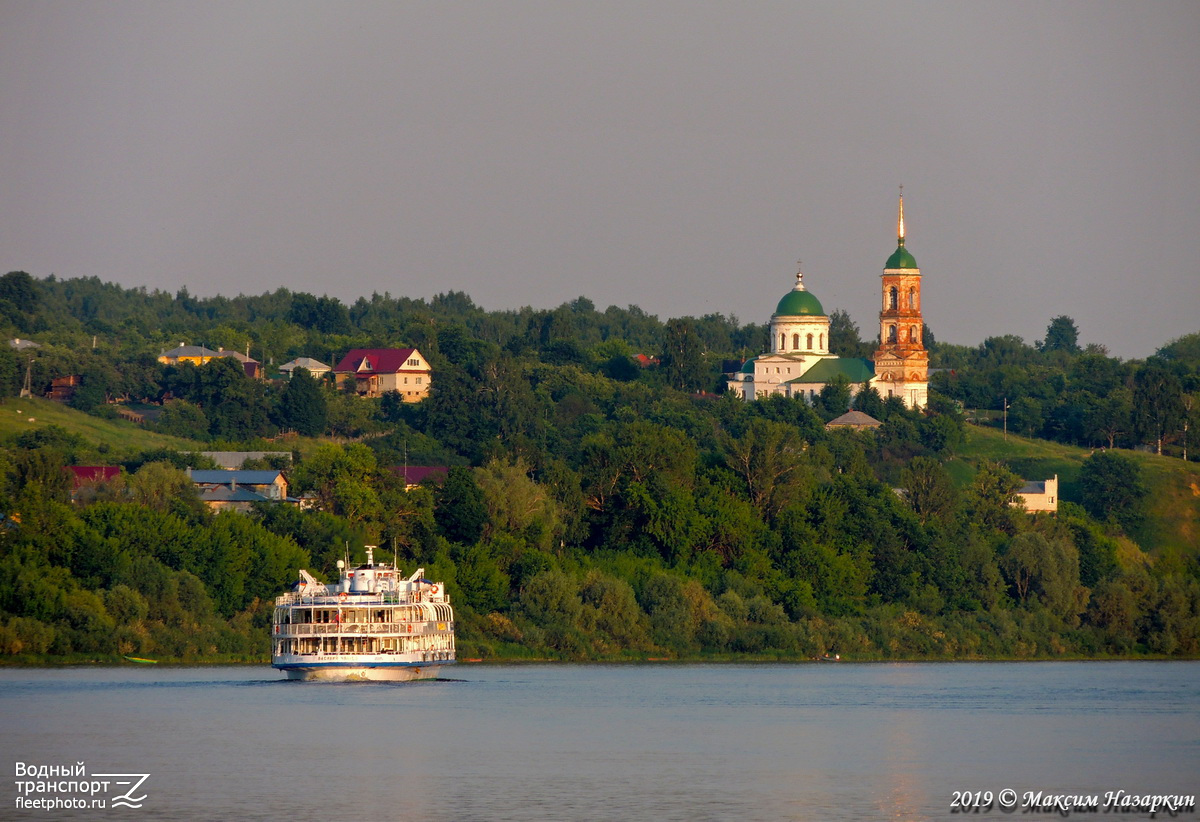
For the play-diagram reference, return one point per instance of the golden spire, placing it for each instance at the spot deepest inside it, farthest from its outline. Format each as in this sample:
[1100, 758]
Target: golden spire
[900, 221]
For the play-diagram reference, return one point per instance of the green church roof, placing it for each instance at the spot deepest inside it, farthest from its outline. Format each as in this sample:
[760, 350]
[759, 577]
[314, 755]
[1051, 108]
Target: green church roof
[854, 369]
[900, 258]
[799, 302]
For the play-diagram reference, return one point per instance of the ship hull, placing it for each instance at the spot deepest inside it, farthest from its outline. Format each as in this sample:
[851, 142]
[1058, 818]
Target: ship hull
[360, 673]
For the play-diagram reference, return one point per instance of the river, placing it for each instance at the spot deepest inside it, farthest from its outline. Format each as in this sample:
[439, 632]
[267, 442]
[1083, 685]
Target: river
[816, 741]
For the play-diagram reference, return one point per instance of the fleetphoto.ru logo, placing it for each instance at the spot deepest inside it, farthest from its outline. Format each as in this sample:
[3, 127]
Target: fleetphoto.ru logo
[50, 787]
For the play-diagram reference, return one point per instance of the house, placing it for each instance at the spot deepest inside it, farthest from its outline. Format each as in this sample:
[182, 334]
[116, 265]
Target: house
[253, 368]
[856, 420]
[22, 345]
[237, 490]
[315, 368]
[374, 371]
[195, 354]
[1040, 496]
[87, 479]
[63, 388]
[414, 475]
[223, 498]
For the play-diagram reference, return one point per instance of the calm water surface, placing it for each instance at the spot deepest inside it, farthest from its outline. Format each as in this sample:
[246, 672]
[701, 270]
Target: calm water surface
[620, 742]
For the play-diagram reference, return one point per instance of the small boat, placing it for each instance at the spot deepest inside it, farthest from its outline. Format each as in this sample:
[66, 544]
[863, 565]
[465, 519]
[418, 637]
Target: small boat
[373, 624]
[830, 658]
[142, 661]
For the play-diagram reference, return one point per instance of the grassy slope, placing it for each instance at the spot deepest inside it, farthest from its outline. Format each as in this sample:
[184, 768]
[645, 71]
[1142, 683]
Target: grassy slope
[115, 438]
[1173, 516]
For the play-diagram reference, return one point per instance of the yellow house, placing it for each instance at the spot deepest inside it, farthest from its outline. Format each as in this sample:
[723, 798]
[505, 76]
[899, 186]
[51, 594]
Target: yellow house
[195, 354]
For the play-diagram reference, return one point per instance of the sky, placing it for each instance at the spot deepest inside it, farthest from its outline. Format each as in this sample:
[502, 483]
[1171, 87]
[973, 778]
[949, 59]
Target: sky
[678, 156]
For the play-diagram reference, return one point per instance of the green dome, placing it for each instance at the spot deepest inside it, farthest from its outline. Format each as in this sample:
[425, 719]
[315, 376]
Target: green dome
[799, 302]
[900, 258]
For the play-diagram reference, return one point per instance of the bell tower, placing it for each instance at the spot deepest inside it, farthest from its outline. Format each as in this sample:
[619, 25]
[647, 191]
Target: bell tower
[901, 361]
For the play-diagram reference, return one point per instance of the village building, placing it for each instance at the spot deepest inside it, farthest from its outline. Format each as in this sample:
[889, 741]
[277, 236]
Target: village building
[855, 421]
[1039, 496]
[315, 368]
[373, 372]
[237, 490]
[798, 362]
[199, 355]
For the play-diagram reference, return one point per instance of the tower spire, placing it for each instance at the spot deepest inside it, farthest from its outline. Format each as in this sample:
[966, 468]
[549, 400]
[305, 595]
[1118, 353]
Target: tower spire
[900, 221]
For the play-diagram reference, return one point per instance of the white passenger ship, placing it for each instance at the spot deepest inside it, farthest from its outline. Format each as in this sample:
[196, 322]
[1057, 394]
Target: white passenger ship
[372, 625]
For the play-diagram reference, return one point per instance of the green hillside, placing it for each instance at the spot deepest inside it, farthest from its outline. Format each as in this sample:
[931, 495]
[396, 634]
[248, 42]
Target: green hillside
[115, 437]
[1172, 520]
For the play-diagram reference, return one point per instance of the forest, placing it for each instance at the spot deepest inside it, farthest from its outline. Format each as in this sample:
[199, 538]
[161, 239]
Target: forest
[594, 508]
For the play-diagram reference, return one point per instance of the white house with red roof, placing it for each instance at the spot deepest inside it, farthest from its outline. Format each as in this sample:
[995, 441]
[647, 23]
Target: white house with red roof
[375, 371]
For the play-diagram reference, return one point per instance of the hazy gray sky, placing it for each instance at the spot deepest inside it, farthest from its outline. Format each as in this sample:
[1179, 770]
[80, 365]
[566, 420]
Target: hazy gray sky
[680, 156]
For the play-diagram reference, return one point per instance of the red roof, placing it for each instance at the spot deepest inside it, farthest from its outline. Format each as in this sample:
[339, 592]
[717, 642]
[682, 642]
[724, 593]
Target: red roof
[93, 473]
[379, 360]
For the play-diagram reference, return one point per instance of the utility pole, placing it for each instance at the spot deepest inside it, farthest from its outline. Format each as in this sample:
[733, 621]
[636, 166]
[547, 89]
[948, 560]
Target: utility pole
[1006, 419]
[27, 389]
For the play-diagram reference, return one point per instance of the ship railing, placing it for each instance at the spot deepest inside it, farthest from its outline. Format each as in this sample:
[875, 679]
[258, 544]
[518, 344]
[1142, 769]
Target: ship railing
[296, 629]
[389, 598]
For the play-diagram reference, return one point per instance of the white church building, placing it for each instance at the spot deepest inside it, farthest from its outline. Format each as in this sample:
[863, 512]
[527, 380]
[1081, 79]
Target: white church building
[799, 363]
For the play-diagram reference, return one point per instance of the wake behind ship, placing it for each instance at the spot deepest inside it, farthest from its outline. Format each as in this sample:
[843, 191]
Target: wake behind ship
[372, 624]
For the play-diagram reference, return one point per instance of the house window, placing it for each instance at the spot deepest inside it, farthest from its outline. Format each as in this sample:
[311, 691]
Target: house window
[419, 380]
[891, 333]
[414, 361]
[782, 342]
[893, 295]
[795, 341]
[822, 342]
[912, 298]
[810, 342]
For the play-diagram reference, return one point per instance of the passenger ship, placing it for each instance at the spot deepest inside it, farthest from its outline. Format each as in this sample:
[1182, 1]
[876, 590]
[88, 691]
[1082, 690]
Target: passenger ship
[371, 625]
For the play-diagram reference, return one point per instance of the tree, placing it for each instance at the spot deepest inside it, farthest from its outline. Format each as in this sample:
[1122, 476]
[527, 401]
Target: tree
[1113, 488]
[1157, 403]
[931, 491]
[1044, 570]
[768, 459]
[990, 497]
[342, 478]
[180, 418]
[683, 357]
[460, 508]
[1025, 415]
[834, 399]
[19, 299]
[844, 339]
[302, 405]
[161, 486]
[1110, 417]
[1061, 335]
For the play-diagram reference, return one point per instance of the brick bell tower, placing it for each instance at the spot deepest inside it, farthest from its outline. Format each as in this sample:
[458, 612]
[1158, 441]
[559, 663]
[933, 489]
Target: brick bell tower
[901, 362]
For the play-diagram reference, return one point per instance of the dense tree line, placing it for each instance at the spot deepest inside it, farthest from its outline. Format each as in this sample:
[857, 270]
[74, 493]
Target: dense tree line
[593, 508]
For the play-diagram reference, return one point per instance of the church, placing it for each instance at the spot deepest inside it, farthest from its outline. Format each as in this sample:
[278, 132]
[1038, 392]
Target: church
[799, 363]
